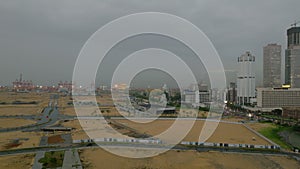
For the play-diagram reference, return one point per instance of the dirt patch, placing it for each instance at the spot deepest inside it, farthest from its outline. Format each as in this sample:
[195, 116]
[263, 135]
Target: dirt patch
[27, 139]
[17, 161]
[11, 145]
[55, 139]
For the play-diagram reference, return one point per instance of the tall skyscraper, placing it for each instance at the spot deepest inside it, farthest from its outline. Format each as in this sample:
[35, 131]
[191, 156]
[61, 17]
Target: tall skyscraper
[272, 66]
[292, 57]
[246, 79]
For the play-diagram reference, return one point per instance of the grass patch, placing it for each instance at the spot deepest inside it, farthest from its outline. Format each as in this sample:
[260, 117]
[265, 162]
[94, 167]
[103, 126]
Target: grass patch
[53, 159]
[295, 139]
[272, 133]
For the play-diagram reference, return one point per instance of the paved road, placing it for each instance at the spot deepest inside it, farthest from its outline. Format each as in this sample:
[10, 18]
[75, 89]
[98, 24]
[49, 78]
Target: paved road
[71, 160]
[50, 116]
[38, 156]
[146, 146]
[44, 141]
[68, 139]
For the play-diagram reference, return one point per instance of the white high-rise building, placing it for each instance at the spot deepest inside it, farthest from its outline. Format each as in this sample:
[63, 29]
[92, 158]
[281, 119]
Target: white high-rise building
[246, 79]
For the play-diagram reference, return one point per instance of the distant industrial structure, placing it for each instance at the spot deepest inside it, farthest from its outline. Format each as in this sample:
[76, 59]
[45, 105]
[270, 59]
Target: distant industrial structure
[246, 79]
[292, 57]
[272, 66]
[65, 86]
[21, 85]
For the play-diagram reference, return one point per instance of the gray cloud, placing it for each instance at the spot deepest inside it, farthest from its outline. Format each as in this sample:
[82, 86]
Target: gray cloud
[42, 39]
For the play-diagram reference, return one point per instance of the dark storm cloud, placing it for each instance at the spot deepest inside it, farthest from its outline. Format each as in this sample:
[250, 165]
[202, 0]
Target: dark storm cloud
[42, 39]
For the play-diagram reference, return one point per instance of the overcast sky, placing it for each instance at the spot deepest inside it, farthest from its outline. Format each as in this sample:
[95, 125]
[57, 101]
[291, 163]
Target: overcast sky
[42, 39]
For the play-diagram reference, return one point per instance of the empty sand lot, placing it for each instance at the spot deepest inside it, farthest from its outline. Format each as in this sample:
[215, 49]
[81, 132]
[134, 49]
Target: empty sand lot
[95, 128]
[224, 133]
[17, 161]
[18, 139]
[9, 109]
[70, 111]
[14, 122]
[9, 97]
[98, 158]
[20, 110]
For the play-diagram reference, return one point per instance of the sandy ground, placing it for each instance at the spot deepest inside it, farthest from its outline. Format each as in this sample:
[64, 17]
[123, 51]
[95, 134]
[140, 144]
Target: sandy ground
[17, 161]
[78, 133]
[11, 122]
[64, 100]
[98, 158]
[23, 109]
[105, 111]
[67, 111]
[224, 133]
[41, 98]
[9, 137]
[20, 110]
[104, 99]
[93, 129]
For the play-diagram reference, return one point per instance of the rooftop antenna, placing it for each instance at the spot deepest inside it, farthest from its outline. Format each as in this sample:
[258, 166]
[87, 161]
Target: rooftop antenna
[295, 24]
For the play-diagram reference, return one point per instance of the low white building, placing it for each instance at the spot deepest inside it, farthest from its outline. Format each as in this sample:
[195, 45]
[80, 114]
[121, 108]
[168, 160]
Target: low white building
[191, 97]
[278, 97]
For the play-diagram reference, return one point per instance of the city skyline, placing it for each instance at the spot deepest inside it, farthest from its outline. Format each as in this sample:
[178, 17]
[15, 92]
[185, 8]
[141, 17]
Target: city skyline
[149, 84]
[44, 46]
